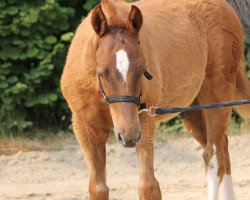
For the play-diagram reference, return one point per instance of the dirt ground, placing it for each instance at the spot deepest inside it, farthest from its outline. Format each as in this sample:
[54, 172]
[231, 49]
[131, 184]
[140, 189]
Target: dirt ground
[62, 175]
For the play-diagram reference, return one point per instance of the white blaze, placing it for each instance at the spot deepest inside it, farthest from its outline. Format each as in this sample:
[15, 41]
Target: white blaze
[226, 188]
[212, 178]
[122, 63]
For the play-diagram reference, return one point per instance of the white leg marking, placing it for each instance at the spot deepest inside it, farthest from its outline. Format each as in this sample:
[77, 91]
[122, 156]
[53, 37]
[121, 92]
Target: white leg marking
[212, 178]
[226, 188]
[122, 63]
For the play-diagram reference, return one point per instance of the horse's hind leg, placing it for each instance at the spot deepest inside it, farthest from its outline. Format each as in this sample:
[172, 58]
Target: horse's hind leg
[92, 136]
[226, 187]
[196, 125]
[216, 156]
[219, 86]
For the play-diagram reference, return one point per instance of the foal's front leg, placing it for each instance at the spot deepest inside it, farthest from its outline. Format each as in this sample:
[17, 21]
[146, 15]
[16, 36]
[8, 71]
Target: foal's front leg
[93, 141]
[149, 188]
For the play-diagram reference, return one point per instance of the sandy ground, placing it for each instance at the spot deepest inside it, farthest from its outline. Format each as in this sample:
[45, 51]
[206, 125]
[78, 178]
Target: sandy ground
[63, 175]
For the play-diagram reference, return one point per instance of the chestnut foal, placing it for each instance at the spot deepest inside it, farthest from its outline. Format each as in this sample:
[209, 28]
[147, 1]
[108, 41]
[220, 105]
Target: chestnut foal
[193, 49]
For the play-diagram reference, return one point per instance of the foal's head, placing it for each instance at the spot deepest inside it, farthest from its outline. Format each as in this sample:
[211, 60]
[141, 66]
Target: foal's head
[120, 67]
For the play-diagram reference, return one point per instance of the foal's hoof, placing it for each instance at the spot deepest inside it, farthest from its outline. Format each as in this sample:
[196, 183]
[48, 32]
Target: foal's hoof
[149, 189]
[99, 192]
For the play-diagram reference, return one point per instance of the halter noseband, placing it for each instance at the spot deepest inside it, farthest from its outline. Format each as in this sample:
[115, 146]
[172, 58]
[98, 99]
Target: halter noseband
[133, 99]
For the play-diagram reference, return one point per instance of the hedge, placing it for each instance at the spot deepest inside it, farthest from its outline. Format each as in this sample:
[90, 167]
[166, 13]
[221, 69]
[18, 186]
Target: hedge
[34, 38]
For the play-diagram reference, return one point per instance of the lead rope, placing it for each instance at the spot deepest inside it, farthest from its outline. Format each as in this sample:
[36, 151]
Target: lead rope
[154, 111]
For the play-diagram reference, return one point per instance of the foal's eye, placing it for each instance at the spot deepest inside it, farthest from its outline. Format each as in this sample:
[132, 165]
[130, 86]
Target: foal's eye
[99, 71]
[139, 42]
[103, 72]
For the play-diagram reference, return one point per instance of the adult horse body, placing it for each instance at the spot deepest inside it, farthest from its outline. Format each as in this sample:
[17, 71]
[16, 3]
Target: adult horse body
[193, 49]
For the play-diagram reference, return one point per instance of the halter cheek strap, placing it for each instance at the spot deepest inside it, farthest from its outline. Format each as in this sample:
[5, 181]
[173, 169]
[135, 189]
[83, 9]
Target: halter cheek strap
[117, 99]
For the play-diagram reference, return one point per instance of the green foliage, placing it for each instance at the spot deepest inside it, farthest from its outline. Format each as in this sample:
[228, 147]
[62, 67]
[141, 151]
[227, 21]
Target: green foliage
[90, 4]
[173, 126]
[34, 40]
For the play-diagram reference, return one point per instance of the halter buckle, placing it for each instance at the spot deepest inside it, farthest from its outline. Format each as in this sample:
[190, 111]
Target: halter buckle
[152, 111]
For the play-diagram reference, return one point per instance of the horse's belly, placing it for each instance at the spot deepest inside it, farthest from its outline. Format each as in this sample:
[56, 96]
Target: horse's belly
[183, 85]
[181, 97]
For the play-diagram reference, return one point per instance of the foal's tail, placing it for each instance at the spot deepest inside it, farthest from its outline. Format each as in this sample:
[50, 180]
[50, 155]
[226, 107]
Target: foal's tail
[242, 89]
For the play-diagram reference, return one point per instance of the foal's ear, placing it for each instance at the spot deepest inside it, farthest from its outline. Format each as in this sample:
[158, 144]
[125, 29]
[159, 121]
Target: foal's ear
[135, 19]
[99, 21]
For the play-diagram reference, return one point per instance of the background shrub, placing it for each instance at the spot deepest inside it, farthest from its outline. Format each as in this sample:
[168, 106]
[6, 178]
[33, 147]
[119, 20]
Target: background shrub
[34, 39]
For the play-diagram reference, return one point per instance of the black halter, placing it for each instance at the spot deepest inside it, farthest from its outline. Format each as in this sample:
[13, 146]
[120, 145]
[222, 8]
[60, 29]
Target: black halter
[133, 99]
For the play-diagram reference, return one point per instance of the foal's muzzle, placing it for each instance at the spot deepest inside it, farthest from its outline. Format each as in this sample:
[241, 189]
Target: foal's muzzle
[128, 142]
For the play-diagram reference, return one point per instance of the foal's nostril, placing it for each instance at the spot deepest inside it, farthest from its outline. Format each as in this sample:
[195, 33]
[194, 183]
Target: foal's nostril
[120, 139]
[137, 136]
